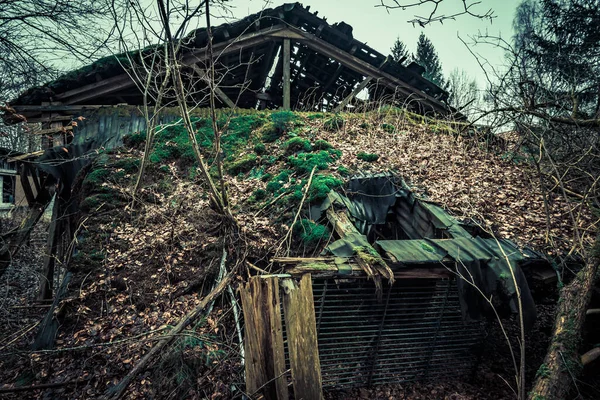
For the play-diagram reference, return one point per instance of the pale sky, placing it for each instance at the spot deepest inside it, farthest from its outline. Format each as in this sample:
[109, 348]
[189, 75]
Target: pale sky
[379, 28]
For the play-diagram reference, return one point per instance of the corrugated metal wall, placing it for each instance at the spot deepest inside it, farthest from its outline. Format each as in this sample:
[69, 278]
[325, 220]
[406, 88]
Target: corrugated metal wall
[415, 333]
[110, 124]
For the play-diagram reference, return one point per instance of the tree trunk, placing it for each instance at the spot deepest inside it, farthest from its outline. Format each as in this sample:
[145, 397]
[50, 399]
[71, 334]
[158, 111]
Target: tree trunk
[562, 363]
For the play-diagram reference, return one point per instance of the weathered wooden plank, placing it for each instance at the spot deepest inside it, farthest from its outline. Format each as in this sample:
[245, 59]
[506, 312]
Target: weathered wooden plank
[263, 340]
[218, 91]
[55, 129]
[356, 91]
[366, 256]
[328, 269]
[286, 74]
[301, 328]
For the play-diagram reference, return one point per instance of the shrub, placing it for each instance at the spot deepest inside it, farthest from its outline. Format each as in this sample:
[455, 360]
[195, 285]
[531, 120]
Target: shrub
[368, 157]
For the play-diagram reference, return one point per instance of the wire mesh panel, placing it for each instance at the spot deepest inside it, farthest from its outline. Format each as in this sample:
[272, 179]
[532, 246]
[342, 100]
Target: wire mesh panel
[414, 332]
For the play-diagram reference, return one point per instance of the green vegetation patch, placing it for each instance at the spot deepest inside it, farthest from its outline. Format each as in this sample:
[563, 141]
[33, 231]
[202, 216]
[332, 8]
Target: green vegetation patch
[322, 145]
[297, 144]
[242, 164]
[279, 180]
[321, 186]
[305, 162]
[388, 128]
[134, 140]
[334, 123]
[368, 157]
[260, 148]
[311, 233]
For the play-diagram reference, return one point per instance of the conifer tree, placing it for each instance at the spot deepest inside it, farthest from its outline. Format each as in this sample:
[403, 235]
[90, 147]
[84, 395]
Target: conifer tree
[427, 57]
[400, 51]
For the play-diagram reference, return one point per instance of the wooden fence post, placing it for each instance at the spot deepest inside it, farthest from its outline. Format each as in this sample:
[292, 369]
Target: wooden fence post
[301, 331]
[263, 340]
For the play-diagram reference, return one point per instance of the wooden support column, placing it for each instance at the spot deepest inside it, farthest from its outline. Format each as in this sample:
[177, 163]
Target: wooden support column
[263, 339]
[24, 172]
[286, 74]
[301, 328]
[54, 234]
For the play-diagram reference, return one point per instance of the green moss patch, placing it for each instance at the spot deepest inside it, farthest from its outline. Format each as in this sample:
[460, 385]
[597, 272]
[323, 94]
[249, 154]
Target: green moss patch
[311, 233]
[368, 157]
[321, 185]
[305, 162]
[242, 164]
[297, 144]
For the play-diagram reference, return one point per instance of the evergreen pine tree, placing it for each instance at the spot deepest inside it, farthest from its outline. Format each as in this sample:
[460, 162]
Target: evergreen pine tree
[399, 51]
[427, 57]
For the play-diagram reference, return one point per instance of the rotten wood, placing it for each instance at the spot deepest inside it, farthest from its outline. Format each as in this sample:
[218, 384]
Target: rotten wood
[263, 344]
[355, 92]
[56, 129]
[302, 342]
[562, 362]
[26, 184]
[326, 267]
[367, 258]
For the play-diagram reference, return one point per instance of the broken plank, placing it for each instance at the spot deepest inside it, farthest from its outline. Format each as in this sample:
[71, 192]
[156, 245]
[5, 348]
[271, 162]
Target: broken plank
[263, 343]
[50, 131]
[301, 328]
[25, 156]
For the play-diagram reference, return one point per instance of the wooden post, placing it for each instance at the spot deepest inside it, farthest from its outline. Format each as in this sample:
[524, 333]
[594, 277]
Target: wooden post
[286, 74]
[302, 342]
[54, 233]
[263, 339]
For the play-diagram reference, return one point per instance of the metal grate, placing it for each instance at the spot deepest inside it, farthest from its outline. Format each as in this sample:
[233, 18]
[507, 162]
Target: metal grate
[415, 333]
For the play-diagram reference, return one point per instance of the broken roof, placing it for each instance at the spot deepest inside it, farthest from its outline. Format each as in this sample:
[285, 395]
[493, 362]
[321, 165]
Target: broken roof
[327, 64]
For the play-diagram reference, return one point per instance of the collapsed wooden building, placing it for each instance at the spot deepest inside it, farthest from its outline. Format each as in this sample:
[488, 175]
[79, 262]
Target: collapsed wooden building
[398, 297]
[282, 57]
[384, 304]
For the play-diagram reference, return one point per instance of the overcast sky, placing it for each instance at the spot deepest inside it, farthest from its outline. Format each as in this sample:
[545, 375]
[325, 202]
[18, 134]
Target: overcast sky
[379, 28]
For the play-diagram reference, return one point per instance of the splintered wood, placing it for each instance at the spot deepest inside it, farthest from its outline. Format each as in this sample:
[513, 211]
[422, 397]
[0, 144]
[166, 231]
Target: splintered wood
[263, 344]
[302, 343]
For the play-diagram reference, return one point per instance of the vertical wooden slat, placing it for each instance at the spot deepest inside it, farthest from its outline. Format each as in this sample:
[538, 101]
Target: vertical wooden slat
[301, 328]
[286, 74]
[263, 340]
